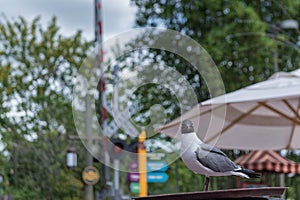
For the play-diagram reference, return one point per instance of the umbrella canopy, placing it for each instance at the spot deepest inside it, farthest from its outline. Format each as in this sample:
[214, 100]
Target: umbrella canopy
[263, 116]
[268, 161]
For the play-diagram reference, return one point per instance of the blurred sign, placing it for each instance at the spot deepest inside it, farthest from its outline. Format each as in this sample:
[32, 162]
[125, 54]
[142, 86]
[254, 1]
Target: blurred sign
[157, 166]
[133, 177]
[134, 187]
[152, 177]
[157, 177]
[156, 156]
[90, 175]
[151, 166]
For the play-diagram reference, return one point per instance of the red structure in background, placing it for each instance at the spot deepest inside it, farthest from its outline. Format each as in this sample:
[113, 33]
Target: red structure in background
[267, 161]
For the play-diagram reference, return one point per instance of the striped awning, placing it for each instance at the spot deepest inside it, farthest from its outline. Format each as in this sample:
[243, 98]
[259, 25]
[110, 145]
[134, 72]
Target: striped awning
[268, 161]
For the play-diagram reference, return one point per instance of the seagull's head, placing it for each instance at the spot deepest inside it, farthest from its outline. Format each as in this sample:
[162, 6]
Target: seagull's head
[187, 127]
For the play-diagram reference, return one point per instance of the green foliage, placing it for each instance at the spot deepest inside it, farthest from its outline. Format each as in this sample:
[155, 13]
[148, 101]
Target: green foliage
[240, 36]
[38, 65]
[36, 68]
[235, 34]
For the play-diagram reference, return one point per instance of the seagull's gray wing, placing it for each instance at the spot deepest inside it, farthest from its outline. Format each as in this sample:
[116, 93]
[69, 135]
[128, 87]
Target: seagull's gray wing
[212, 149]
[214, 159]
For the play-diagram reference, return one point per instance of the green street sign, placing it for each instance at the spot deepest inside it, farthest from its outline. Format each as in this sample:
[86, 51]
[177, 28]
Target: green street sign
[134, 187]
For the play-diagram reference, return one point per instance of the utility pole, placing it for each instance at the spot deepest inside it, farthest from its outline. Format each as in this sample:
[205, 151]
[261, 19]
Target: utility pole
[89, 192]
[101, 86]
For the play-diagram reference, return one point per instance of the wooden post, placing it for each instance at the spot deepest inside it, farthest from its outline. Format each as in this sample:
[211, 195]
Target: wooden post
[142, 159]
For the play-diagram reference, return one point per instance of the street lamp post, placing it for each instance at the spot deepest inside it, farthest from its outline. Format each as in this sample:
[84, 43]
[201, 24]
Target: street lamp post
[71, 152]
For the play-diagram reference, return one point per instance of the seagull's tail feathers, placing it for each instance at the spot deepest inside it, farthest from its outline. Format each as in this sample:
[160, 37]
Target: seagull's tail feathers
[249, 173]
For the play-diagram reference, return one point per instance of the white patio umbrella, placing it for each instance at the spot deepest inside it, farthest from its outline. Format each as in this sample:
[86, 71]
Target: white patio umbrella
[263, 116]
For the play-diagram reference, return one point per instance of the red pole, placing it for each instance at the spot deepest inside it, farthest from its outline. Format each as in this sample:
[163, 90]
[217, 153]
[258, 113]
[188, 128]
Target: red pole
[101, 88]
[98, 39]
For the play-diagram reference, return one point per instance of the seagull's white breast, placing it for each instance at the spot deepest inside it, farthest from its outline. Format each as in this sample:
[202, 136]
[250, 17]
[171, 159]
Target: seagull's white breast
[189, 144]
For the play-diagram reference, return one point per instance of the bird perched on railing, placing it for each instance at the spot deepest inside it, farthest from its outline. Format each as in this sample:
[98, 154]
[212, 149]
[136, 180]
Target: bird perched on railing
[207, 160]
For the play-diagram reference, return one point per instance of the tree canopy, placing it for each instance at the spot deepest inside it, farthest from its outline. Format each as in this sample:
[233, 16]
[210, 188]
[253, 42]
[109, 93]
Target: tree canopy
[239, 35]
[36, 68]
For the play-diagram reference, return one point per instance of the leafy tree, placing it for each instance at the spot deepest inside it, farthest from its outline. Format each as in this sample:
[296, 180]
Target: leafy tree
[36, 68]
[231, 31]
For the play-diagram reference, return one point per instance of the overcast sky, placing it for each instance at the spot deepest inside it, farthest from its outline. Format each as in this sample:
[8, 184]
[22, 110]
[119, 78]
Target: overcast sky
[118, 15]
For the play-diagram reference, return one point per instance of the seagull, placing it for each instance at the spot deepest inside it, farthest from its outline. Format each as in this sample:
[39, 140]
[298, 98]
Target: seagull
[207, 160]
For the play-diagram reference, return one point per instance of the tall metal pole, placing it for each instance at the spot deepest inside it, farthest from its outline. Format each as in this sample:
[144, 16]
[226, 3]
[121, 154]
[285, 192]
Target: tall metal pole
[116, 178]
[101, 89]
[98, 39]
[89, 192]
